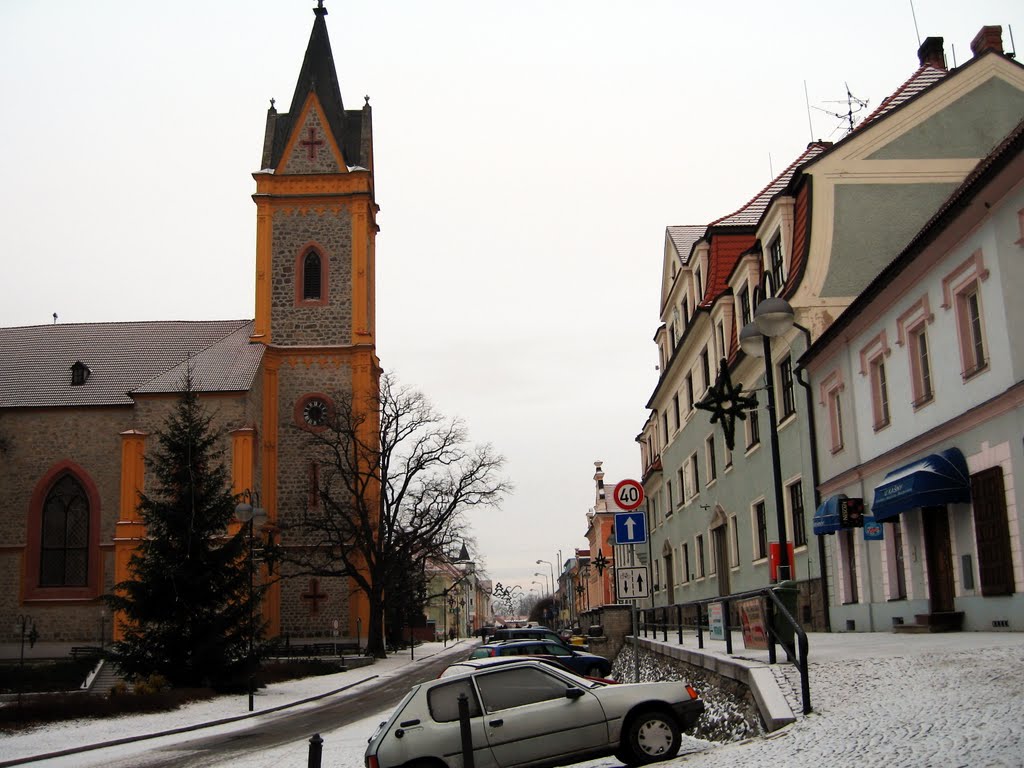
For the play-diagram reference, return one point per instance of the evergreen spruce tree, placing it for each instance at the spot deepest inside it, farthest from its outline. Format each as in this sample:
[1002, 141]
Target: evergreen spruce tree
[186, 608]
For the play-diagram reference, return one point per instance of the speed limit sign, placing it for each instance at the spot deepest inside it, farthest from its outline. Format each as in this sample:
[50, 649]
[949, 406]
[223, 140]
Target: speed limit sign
[628, 494]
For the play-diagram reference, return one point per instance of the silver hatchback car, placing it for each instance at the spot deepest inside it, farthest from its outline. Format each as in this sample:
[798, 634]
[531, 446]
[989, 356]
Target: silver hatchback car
[531, 714]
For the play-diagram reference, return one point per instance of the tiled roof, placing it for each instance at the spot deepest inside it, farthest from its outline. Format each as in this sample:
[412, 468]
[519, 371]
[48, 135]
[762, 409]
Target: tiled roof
[921, 80]
[684, 237]
[750, 214]
[35, 361]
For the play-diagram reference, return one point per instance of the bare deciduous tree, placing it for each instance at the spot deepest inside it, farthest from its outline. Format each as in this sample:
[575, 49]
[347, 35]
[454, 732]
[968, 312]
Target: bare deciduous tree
[396, 479]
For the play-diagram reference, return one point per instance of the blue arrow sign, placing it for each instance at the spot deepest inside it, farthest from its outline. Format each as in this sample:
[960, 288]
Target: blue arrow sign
[630, 527]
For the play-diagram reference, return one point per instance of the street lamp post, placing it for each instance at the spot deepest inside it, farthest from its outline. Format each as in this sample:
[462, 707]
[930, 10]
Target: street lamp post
[552, 569]
[772, 318]
[251, 514]
[546, 583]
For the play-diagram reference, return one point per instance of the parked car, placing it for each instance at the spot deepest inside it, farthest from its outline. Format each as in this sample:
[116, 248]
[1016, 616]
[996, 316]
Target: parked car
[469, 665]
[525, 633]
[580, 662]
[531, 714]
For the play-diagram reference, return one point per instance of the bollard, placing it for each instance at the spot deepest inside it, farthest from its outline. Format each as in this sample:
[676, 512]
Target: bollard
[316, 751]
[468, 761]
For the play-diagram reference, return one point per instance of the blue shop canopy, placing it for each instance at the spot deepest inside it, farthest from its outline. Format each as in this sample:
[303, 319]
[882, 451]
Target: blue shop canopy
[941, 478]
[826, 517]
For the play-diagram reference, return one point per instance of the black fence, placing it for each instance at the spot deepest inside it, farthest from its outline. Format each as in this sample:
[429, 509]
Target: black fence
[781, 628]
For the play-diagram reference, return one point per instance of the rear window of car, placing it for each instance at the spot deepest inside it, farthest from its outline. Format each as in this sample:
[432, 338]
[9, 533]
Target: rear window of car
[480, 653]
[443, 700]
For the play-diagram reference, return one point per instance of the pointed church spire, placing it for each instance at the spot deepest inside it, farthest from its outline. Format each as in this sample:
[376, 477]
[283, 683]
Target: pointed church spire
[318, 74]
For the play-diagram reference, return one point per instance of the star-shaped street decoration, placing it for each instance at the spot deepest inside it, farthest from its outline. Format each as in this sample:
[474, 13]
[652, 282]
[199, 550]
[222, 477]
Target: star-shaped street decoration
[726, 402]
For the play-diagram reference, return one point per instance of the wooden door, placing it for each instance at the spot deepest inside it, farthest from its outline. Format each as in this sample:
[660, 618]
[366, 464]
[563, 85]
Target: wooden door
[721, 557]
[992, 532]
[939, 557]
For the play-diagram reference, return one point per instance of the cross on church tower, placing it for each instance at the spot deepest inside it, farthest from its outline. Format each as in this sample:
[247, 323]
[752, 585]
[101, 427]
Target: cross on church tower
[314, 596]
[312, 143]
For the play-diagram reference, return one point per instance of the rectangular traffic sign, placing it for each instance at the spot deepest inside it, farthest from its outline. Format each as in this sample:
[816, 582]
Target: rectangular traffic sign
[632, 582]
[630, 527]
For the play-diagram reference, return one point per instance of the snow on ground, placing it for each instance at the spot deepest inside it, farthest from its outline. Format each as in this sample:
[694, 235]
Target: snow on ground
[878, 698]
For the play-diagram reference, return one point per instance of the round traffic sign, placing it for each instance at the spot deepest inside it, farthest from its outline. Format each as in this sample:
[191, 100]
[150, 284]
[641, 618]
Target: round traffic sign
[628, 494]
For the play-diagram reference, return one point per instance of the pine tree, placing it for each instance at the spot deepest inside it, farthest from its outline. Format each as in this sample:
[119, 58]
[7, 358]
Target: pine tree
[185, 609]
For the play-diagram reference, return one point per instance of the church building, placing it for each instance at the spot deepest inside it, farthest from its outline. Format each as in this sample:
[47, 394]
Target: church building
[80, 404]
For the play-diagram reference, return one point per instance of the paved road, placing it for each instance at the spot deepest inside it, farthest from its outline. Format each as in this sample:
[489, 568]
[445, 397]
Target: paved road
[287, 727]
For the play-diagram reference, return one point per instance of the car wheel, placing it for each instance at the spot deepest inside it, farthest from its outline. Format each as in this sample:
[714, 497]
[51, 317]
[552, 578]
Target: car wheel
[651, 735]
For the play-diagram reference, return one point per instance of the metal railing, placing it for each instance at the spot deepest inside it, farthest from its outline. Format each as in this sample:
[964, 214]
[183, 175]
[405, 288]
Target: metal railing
[694, 615]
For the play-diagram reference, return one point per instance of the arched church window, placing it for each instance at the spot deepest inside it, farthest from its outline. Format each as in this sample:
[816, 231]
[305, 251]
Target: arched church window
[64, 550]
[311, 277]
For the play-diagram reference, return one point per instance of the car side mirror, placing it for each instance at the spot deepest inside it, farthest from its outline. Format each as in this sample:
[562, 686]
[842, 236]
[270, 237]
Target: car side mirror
[573, 693]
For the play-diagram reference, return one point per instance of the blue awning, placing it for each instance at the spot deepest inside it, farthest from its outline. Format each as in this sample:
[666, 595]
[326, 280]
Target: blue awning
[826, 517]
[941, 478]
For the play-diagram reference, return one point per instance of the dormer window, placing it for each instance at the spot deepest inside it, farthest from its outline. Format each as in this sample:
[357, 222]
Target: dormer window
[79, 373]
[776, 267]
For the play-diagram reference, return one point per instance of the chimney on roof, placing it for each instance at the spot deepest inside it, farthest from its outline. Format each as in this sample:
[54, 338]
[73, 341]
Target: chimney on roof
[930, 53]
[988, 39]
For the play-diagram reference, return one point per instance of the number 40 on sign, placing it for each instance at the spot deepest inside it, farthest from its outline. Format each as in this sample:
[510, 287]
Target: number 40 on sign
[628, 494]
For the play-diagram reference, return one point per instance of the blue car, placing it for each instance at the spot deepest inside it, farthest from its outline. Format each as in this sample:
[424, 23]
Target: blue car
[580, 662]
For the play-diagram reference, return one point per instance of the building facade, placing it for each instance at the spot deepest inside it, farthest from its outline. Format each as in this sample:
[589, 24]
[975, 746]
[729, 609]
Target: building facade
[816, 237]
[80, 404]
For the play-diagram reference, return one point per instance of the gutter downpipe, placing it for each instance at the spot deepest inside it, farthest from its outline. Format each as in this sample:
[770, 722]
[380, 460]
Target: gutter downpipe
[815, 477]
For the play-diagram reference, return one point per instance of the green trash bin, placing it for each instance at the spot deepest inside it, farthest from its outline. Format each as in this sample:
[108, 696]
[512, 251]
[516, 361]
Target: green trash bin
[787, 592]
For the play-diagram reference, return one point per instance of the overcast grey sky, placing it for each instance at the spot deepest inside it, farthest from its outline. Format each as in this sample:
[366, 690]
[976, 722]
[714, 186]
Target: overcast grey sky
[529, 156]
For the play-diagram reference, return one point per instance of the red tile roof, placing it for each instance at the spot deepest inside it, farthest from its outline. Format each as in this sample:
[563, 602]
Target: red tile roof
[750, 214]
[925, 77]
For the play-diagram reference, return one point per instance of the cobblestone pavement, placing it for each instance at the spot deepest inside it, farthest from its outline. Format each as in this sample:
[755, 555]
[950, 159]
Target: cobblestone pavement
[955, 708]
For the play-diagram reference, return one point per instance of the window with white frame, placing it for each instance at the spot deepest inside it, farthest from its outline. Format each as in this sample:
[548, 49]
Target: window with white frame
[664, 426]
[759, 520]
[831, 387]
[911, 333]
[795, 491]
[694, 473]
[709, 457]
[683, 484]
[744, 301]
[698, 287]
[685, 304]
[961, 290]
[652, 503]
[720, 332]
[734, 542]
[776, 267]
[872, 365]
[786, 387]
[728, 457]
[699, 545]
[675, 409]
[753, 428]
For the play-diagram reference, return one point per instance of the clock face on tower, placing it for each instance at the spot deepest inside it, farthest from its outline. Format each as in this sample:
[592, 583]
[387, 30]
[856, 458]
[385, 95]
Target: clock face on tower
[314, 412]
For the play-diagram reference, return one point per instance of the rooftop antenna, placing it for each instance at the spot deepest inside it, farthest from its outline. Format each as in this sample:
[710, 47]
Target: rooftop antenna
[853, 106]
[916, 30]
[807, 101]
[1012, 54]
[54, 318]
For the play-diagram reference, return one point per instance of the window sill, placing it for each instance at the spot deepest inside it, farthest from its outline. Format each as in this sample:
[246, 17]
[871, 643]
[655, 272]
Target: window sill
[787, 420]
[880, 426]
[970, 374]
[837, 449]
[923, 401]
[751, 448]
[711, 483]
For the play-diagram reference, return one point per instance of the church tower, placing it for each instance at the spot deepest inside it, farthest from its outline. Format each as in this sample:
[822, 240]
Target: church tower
[315, 232]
